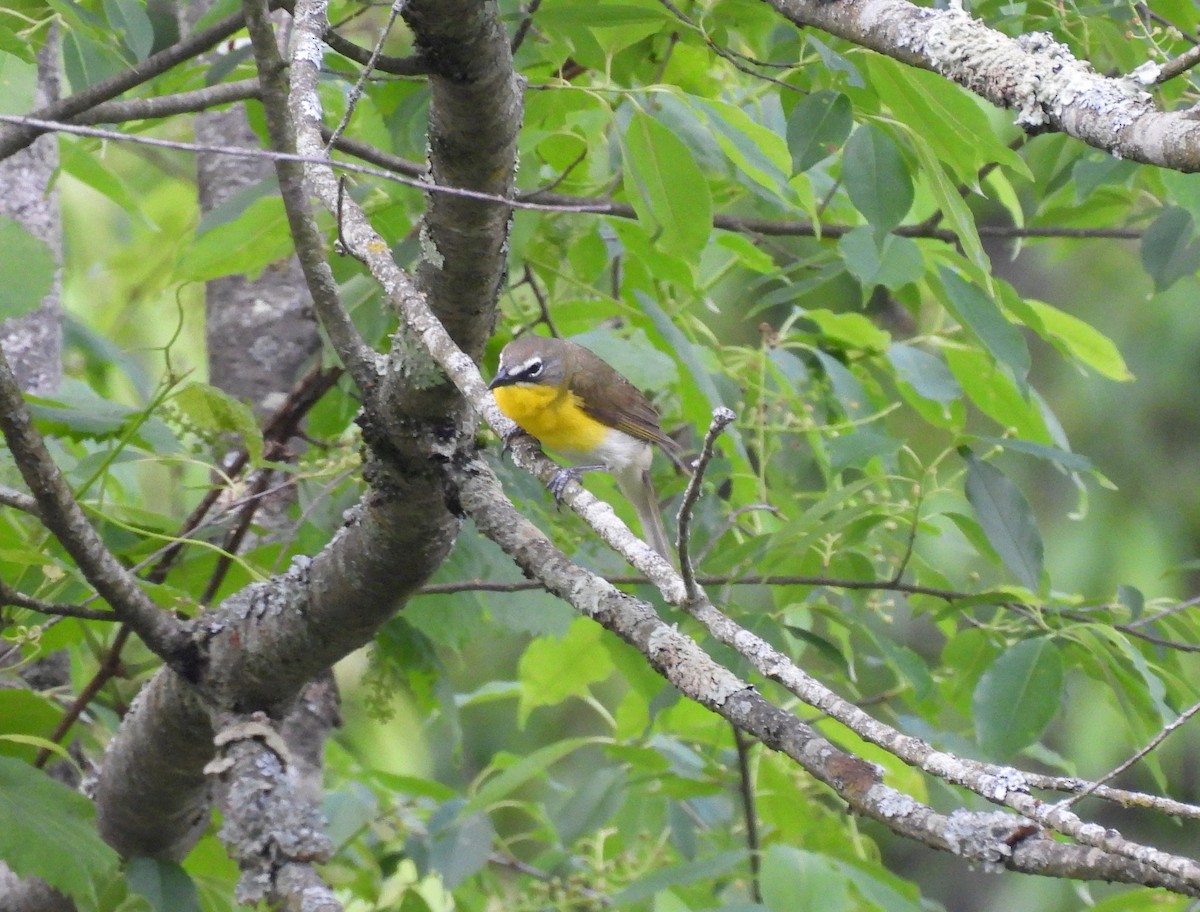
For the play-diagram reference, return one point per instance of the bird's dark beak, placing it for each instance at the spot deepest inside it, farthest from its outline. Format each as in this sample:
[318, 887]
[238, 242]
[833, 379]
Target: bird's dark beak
[502, 378]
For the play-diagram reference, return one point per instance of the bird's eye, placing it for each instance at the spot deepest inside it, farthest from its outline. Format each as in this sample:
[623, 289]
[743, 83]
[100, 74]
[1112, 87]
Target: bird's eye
[534, 369]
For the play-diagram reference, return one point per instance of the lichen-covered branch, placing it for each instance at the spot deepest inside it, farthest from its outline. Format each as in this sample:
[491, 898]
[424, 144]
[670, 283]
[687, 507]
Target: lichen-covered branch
[1032, 74]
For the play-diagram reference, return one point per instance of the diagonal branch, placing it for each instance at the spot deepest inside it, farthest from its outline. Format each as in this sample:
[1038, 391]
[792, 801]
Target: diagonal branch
[1032, 74]
[63, 516]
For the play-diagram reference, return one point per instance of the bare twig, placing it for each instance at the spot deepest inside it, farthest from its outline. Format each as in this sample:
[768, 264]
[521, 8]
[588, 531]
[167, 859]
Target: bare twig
[62, 515]
[18, 501]
[526, 21]
[356, 90]
[1137, 756]
[11, 596]
[749, 810]
[721, 419]
[110, 667]
[155, 65]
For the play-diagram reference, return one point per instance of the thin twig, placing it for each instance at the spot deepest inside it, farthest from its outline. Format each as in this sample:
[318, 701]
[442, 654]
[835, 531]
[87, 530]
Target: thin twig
[110, 667]
[722, 417]
[522, 30]
[356, 90]
[749, 810]
[18, 500]
[155, 65]
[11, 596]
[1137, 756]
[911, 543]
[397, 171]
[63, 516]
[724, 52]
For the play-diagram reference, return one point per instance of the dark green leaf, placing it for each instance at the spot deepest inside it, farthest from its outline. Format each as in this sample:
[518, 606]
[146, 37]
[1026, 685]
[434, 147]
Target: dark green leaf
[1017, 697]
[708, 868]
[877, 178]
[129, 20]
[591, 805]
[817, 127]
[1133, 600]
[976, 310]
[249, 243]
[166, 886]
[1006, 519]
[49, 832]
[849, 392]
[1072, 462]
[925, 373]
[77, 411]
[856, 449]
[460, 844]
[28, 267]
[23, 712]
[890, 260]
[793, 879]
[1170, 249]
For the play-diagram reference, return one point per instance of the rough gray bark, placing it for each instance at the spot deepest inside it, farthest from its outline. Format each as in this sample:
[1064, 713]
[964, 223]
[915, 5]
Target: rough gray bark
[33, 342]
[1032, 74]
[265, 642]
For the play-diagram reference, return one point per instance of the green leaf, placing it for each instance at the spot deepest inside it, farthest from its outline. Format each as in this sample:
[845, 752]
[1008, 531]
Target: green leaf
[890, 260]
[1170, 249]
[817, 127]
[1006, 519]
[591, 805]
[247, 244]
[877, 178]
[129, 20]
[1017, 697]
[976, 310]
[927, 102]
[553, 669]
[166, 886]
[794, 879]
[211, 411]
[77, 411]
[756, 151]
[666, 187]
[23, 712]
[460, 843]
[925, 373]
[17, 46]
[28, 267]
[1079, 340]
[524, 770]
[846, 387]
[990, 387]
[83, 164]
[49, 832]
[663, 878]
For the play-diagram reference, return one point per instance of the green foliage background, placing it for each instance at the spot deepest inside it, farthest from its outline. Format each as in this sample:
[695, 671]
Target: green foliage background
[1007, 421]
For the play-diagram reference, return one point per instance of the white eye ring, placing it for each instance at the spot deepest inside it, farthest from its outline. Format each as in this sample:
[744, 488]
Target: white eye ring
[534, 369]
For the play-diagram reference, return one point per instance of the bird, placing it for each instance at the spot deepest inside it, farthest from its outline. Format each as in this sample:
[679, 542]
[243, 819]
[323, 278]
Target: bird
[575, 403]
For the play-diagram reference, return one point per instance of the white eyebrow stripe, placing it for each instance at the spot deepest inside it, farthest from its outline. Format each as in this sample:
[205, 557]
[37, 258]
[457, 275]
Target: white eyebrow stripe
[536, 359]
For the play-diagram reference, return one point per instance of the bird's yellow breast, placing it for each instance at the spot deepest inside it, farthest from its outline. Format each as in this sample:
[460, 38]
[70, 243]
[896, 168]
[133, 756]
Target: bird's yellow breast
[554, 416]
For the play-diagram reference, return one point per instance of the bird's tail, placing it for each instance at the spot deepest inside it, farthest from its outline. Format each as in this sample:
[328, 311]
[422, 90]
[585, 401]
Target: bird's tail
[638, 489]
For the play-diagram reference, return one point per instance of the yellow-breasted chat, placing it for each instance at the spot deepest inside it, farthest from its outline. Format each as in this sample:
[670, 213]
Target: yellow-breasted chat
[576, 404]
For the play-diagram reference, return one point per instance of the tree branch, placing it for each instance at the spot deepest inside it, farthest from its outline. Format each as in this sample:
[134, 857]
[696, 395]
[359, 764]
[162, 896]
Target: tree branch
[1032, 74]
[63, 516]
[14, 140]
